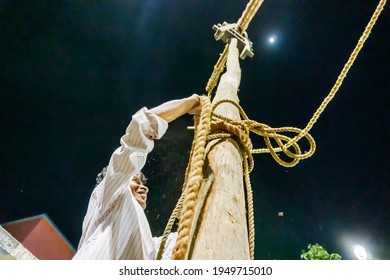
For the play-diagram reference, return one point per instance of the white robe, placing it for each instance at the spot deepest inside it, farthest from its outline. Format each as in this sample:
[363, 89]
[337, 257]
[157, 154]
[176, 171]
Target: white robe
[115, 226]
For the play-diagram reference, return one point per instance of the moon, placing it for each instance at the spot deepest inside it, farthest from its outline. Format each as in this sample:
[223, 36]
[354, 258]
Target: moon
[272, 39]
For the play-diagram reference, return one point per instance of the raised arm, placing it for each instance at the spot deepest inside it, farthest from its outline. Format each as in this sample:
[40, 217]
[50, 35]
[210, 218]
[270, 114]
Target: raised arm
[171, 110]
[146, 125]
[128, 159]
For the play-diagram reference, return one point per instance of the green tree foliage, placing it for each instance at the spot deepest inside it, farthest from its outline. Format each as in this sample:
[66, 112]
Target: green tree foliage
[317, 252]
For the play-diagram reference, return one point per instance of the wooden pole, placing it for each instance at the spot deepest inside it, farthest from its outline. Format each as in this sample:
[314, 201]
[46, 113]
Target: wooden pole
[221, 230]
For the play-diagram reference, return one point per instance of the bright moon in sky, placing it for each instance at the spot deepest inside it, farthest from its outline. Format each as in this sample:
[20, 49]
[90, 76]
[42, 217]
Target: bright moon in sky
[272, 39]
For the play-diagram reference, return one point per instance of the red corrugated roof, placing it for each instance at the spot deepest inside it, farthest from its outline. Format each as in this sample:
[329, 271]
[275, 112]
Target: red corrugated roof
[41, 237]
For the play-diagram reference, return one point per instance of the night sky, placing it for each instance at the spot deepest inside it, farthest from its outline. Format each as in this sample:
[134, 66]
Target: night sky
[73, 72]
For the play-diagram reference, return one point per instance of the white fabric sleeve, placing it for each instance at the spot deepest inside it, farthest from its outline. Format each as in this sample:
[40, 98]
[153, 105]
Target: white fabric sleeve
[104, 202]
[130, 157]
[171, 241]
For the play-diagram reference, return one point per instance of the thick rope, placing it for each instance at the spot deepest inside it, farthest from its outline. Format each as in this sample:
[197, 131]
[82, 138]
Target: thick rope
[191, 193]
[189, 197]
[267, 133]
[195, 178]
[240, 130]
[218, 69]
[179, 205]
[168, 227]
[251, 215]
[342, 75]
[248, 14]
[242, 25]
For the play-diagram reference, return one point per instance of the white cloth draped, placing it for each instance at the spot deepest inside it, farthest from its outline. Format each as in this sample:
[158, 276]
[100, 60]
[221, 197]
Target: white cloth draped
[115, 225]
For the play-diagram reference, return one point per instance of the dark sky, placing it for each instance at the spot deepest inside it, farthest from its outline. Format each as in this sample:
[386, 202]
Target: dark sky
[73, 72]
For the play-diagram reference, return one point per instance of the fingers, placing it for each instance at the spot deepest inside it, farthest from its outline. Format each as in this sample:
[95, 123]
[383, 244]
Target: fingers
[195, 109]
[195, 97]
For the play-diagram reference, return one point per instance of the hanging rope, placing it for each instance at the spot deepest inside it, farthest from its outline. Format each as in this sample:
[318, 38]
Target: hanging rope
[343, 73]
[205, 132]
[242, 25]
[194, 180]
[179, 205]
[248, 14]
[240, 130]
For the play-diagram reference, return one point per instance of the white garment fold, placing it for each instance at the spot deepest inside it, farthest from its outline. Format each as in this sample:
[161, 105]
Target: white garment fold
[115, 226]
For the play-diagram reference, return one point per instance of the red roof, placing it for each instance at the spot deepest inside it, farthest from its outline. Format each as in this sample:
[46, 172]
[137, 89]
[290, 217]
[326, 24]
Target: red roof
[41, 237]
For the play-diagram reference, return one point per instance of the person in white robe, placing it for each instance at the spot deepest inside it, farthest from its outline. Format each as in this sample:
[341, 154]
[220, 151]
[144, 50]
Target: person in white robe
[115, 226]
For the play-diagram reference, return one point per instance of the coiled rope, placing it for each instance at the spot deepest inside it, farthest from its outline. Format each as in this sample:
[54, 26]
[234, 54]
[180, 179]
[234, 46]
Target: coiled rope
[240, 130]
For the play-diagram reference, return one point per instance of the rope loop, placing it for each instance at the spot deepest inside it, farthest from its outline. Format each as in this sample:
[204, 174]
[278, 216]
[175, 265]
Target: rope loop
[212, 126]
[242, 128]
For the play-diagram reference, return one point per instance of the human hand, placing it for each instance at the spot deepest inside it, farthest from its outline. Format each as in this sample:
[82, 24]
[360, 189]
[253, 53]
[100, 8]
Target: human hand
[196, 108]
[173, 109]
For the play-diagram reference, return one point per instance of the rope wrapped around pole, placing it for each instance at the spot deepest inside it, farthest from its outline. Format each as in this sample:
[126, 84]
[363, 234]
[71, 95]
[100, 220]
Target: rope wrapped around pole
[240, 130]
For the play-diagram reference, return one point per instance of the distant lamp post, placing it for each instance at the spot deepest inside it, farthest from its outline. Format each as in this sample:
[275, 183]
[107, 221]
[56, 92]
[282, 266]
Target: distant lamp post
[360, 252]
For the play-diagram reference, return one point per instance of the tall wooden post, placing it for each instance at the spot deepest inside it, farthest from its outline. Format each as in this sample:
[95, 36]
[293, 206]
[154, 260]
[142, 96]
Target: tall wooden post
[222, 225]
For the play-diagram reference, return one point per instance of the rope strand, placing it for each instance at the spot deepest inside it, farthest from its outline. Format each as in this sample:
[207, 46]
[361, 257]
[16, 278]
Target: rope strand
[240, 130]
